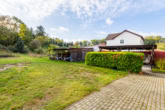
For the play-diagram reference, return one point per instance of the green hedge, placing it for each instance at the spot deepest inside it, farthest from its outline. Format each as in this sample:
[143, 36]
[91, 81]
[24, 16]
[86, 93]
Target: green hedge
[126, 61]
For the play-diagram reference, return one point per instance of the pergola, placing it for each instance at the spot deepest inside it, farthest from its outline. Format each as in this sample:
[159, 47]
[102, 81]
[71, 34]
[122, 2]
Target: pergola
[132, 47]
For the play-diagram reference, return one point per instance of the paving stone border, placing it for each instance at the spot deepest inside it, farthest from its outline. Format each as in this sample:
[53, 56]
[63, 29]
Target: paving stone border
[134, 92]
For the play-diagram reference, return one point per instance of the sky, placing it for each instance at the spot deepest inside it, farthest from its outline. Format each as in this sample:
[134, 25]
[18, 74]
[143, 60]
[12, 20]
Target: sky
[74, 20]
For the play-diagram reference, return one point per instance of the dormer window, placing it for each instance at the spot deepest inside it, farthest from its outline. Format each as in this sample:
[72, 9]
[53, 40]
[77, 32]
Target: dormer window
[122, 41]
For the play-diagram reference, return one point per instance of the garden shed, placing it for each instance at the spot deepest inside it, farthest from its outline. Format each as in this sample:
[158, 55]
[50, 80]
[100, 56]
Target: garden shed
[70, 54]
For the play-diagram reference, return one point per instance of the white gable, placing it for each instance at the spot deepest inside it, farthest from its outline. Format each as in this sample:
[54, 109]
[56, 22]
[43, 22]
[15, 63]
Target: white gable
[126, 38]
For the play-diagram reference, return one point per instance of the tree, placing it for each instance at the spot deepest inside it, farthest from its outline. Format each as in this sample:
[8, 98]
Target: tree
[149, 42]
[12, 23]
[29, 36]
[17, 23]
[44, 40]
[22, 31]
[77, 43]
[95, 42]
[18, 20]
[70, 44]
[162, 40]
[12, 38]
[149, 37]
[4, 32]
[59, 42]
[35, 44]
[85, 43]
[81, 43]
[40, 31]
[19, 45]
[7, 37]
[157, 38]
[102, 41]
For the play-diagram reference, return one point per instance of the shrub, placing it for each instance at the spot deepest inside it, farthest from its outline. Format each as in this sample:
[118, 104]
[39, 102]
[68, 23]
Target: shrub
[35, 44]
[26, 49]
[51, 47]
[3, 47]
[20, 46]
[160, 63]
[39, 51]
[12, 48]
[126, 61]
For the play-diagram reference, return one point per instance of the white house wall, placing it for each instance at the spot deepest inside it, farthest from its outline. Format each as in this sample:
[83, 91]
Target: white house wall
[129, 39]
[95, 48]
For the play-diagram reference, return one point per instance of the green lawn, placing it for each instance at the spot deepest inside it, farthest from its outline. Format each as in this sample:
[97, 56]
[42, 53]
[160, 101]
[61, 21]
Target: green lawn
[49, 85]
[157, 70]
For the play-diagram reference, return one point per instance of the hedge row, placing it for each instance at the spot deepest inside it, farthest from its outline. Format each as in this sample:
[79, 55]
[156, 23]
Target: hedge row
[126, 61]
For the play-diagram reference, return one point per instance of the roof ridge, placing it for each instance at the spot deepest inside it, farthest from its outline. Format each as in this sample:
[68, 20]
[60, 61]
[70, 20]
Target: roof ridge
[114, 35]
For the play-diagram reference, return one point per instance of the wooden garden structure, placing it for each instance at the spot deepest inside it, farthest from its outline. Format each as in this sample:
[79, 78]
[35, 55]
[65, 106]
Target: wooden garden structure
[70, 54]
[146, 49]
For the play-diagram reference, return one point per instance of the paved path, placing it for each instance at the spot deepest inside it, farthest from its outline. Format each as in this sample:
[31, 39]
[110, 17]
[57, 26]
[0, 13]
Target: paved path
[146, 69]
[134, 92]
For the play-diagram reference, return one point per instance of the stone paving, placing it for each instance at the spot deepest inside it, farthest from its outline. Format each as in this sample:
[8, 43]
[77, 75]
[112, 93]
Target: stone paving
[134, 92]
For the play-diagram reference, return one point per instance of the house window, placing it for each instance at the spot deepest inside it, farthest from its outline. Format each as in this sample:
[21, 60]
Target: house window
[122, 41]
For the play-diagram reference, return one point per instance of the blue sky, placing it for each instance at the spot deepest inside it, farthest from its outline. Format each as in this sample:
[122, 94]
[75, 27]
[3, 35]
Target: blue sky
[74, 20]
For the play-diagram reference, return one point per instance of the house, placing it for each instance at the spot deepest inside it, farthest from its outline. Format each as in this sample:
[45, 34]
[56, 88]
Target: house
[124, 38]
[96, 47]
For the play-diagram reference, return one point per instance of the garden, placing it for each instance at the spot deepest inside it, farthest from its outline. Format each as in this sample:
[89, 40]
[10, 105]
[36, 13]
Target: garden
[29, 80]
[40, 83]
[159, 66]
[159, 59]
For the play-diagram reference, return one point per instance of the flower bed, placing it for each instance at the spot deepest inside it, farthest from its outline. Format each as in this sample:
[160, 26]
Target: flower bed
[126, 61]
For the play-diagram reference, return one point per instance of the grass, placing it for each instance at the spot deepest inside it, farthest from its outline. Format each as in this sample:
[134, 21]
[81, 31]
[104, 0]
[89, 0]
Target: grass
[161, 46]
[160, 66]
[49, 85]
[4, 53]
[157, 70]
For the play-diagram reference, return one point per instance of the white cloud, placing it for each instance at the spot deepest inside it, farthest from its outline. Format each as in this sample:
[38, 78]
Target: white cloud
[84, 9]
[108, 21]
[60, 32]
[59, 29]
[150, 34]
[63, 29]
[147, 33]
[102, 32]
[30, 10]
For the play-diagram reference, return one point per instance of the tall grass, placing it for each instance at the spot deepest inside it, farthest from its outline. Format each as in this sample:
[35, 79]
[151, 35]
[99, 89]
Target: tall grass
[161, 46]
[160, 63]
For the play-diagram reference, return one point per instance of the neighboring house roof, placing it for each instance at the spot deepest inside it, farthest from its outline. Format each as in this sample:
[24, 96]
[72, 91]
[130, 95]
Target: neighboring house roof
[113, 36]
